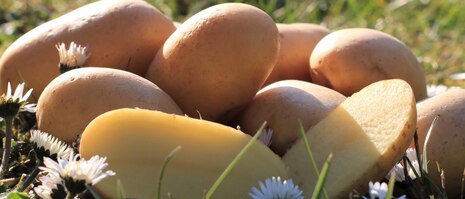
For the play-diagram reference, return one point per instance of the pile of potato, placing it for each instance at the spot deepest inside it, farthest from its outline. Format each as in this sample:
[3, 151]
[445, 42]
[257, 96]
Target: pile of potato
[353, 90]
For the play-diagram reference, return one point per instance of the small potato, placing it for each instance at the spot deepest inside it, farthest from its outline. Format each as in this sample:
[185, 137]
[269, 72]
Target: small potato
[217, 60]
[124, 34]
[76, 97]
[350, 59]
[446, 144]
[297, 42]
[283, 105]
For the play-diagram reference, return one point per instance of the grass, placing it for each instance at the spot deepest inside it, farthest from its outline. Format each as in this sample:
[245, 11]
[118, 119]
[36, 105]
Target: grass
[432, 29]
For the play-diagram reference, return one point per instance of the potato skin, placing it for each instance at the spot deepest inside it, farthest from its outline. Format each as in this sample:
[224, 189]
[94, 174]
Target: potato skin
[297, 41]
[446, 144]
[283, 104]
[350, 59]
[217, 60]
[117, 33]
[76, 97]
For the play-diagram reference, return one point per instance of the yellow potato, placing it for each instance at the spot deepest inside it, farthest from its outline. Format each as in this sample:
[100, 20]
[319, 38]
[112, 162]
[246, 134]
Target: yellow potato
[349, 59]
[136, 142]
[76, 97]
[283, 104]
[367, 135]
[217, 60]
[297, 42]
[123, 34]
[446, 144]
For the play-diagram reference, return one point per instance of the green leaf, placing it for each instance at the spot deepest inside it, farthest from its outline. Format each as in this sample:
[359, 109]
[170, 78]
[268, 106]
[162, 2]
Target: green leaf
[120, 190]
[17, 195]
[310, 155]
[322, 178]
[234, 162]
[163, 169]
[390, 190]
[425, 145]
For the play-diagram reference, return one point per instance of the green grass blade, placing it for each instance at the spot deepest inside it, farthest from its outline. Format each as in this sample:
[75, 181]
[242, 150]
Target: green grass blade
[233, 163]
[322, 178]
[310, 155]
[94, 193]
[425, 145]
[120, 190]
[390, 190]
[163, 169]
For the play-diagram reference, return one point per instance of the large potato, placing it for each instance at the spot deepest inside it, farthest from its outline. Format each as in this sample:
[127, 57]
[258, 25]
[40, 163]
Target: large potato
[446, 144]
[76, 97]
[124, 34]
[284, 104]
[297, 42]
[350, 59]
[137, 141]
[217, 60]
[367, 134]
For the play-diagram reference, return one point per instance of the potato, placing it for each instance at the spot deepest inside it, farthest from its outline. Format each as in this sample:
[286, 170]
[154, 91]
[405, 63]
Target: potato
[137, 141]
[284, 104]
[76, 97]
[297, 42]
[367, 135]
[217, 60]
[350, 59]
[123, 34]
[446, 144]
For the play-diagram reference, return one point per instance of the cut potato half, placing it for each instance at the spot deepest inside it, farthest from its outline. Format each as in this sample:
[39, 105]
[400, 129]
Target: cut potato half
[137, 141]
[367, 134]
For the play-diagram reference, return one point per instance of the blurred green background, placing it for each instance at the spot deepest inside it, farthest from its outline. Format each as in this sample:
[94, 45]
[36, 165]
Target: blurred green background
[433, 29]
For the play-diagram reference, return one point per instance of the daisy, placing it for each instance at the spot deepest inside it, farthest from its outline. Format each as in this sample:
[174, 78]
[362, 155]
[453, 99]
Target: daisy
[78, 173]
[71, 58]
[265, 137]
[12, 103]
[434, 90]
[45, 145]
[398, 170]
[51, 187]
[274, 188]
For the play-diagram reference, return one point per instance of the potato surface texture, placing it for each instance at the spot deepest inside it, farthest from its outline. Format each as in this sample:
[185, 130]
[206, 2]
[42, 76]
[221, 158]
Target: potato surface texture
[137, 141]
[367, 135]
[284, 104]
[297, 41]
[347, 60]
[76, 97]
[446, 144]
[217, 60]
[123, 34]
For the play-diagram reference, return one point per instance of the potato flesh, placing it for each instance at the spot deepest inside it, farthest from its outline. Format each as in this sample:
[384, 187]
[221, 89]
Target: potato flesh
[367, 134]
[137, 141]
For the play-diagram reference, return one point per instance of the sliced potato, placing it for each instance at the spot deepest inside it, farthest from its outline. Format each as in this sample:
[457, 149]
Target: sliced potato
[367, 134]
[137, 141]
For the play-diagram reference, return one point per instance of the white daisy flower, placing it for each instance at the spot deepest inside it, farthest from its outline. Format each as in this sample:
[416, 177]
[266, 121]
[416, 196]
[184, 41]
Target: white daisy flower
[274, 188]
[77, 173]
[12, 103]
[266, 135]
[398, 170]
[45, 145]
[73, 57]
[434, 90]
[51, 187]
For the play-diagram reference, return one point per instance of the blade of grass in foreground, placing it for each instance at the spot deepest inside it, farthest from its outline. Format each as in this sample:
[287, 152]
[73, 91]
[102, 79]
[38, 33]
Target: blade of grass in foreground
[425, 145]
[310, 155]
[322, 178]
[391, 184]
[234, 162]
[120, 190]
[165, 163]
